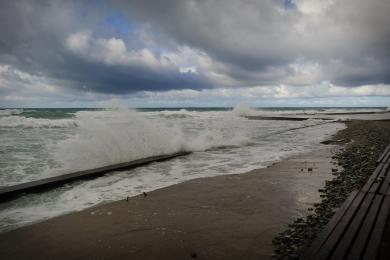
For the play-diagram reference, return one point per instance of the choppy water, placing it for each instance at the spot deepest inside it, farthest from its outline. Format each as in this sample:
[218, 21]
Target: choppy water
[38, 143]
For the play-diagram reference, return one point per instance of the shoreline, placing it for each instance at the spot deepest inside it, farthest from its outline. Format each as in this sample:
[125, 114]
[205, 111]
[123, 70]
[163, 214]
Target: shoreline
[36, 207]
[364, 142]
[11, 192]
[238, 215]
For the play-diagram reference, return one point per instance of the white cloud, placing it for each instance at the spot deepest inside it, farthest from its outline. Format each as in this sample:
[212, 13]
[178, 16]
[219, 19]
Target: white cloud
[192, 69]
[111, 51]
[313, 7]
[304, 73]
[79, 42]
[21, 89]
[17, 82]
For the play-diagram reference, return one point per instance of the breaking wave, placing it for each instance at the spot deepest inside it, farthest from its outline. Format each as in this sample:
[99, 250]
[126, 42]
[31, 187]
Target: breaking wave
[121, 135]
[26, 122]
[9, 112]
[115, 136]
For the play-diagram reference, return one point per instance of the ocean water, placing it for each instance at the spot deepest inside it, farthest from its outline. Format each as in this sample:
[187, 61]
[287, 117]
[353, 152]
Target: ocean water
[39, 143]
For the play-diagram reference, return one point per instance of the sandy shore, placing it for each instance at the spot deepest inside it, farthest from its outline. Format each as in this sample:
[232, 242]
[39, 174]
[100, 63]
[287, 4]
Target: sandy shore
[224, 217]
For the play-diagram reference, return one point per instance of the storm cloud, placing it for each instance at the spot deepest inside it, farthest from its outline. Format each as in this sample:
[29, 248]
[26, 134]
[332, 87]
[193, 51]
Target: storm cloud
[348, 40]
[145, 48]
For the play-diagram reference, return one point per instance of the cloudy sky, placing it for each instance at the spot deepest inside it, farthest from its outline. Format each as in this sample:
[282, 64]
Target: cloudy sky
[195, 53]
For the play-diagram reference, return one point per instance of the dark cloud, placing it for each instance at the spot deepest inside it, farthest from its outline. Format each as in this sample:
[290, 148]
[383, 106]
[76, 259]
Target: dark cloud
[116, 79]
[250, 34]
[121, 47]
[258, 35]
[35, 36]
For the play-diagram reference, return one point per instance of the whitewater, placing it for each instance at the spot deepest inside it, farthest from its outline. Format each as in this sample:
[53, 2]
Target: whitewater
[40, 143]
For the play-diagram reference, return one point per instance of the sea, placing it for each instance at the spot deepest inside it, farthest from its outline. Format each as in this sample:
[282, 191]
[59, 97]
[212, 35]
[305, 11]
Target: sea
[45, 142]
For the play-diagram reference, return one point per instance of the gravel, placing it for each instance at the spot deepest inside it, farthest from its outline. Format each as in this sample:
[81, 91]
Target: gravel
[364, 142]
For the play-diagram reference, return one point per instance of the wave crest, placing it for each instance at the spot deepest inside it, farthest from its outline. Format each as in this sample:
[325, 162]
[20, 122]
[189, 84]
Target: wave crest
[9, 112]
[26, 122]
[115, 136]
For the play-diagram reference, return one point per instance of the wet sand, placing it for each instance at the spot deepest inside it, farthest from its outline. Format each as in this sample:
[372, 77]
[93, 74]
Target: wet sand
[224, 217]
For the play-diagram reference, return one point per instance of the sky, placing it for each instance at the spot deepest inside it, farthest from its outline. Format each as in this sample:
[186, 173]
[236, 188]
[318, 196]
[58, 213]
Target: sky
[178, 53]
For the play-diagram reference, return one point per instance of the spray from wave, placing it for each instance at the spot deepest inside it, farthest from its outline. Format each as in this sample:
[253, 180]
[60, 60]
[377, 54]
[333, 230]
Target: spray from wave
[115, 136]
[244, 110]
[95, 138]
[120, 135]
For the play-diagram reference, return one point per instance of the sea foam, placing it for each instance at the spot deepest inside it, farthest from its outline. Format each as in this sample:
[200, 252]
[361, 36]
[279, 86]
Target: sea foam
[8, 112]
[26, 122]
[121, 135]
[115, 136]
[244, 110]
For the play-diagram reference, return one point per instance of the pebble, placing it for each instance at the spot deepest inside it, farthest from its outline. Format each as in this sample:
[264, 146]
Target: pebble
[358, 159]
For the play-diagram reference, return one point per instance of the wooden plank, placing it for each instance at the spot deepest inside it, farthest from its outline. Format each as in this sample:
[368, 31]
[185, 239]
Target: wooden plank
[334, 237]
[385, 184]
[10, 192]
[328, 229]
[355, 224]
[361, 221]
[378, 183]
[385, 152]
[387, 157]
[377, 232]
[373, 178]
[364, 234]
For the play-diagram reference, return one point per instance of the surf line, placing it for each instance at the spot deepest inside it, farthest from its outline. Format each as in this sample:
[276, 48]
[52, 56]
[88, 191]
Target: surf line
[12, 192]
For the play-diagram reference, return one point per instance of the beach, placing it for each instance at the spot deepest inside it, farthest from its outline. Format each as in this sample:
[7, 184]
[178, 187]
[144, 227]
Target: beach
[224, 217]
[193, 129]
[364, 142]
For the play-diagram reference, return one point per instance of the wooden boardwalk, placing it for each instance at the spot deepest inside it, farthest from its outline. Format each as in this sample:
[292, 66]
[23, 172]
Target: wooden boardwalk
[356, 230]
[10, 192]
